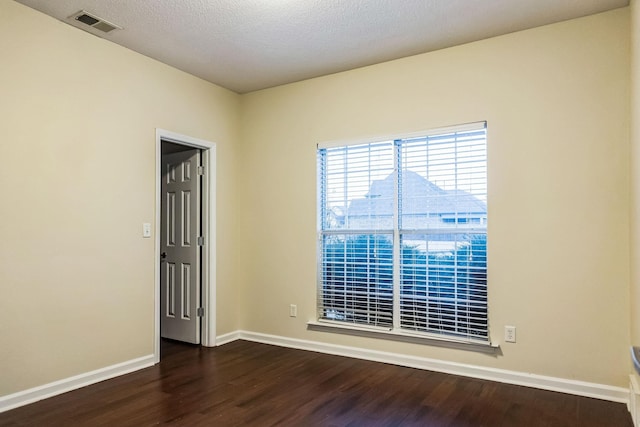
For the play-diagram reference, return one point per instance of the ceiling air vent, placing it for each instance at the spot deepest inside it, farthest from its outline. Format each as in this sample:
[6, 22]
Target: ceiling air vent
[95, 22]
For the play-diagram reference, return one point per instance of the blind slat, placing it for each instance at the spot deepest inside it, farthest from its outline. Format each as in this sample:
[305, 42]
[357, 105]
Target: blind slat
[430, 190]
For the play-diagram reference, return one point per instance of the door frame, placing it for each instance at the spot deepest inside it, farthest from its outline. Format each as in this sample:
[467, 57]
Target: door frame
[208, 284]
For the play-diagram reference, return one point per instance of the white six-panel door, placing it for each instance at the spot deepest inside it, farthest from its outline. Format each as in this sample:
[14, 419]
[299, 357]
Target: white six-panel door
[180, 251]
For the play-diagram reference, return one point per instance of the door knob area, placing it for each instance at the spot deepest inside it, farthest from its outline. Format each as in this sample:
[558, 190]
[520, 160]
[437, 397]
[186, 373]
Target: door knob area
[163, 255]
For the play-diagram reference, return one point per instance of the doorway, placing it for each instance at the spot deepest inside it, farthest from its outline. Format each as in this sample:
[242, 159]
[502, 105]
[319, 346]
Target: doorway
[184, 240]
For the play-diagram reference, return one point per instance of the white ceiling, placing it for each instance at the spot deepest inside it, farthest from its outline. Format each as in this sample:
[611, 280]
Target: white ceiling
[246, 45]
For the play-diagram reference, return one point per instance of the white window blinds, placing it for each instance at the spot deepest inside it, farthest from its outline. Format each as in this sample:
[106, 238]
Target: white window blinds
[402, 233]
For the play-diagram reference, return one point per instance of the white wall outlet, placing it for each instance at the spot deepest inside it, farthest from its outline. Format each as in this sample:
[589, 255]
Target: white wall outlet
[510, 334]
[146, 229]
[293, 310]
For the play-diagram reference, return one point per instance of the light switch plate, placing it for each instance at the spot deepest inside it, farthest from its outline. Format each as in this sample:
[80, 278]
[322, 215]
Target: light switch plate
[146, 230]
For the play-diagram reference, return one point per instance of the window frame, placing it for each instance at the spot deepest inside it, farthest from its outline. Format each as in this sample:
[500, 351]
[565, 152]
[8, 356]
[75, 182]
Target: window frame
[396, 234]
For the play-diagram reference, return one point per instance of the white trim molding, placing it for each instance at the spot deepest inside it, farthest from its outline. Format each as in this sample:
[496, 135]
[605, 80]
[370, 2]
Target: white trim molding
[629, 396]
[55, 388]
[208, 331]
[634, 400]
[227, 338]
[387, 333]
[579, 388]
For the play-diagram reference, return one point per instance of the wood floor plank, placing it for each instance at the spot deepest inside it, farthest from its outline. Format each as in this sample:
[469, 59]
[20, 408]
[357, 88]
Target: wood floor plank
[250, 384]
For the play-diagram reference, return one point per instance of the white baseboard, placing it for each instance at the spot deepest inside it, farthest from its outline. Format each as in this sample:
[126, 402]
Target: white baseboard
[31, 395]
[629, 396]
[227, 338]
[580, 388]
[634, 400]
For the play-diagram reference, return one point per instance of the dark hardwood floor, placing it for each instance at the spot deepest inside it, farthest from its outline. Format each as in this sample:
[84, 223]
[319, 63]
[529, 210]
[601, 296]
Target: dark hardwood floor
[249, 384]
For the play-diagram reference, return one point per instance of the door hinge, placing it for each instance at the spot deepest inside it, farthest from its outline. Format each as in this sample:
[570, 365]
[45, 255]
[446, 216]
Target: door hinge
[200, 241]
[200, 170]
[200, 312]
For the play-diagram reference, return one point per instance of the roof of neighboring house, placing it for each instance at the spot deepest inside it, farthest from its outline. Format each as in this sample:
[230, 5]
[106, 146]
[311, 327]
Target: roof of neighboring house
[419, 196]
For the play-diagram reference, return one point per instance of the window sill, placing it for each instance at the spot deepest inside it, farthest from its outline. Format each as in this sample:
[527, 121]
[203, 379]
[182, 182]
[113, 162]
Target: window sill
[415, 338]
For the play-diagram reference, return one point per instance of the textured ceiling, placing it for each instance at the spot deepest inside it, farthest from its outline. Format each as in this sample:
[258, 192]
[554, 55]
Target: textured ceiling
[246, 45]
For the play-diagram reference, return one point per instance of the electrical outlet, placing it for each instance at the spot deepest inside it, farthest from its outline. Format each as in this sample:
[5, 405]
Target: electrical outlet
[510, 334]
[293, 310]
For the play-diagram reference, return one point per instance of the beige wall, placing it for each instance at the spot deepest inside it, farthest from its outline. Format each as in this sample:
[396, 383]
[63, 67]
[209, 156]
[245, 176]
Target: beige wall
[635, 173]
[78, 116]
[556, 100]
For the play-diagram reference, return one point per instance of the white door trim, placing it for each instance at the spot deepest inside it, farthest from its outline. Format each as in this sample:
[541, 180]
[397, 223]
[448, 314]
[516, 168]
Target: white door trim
[208, 148]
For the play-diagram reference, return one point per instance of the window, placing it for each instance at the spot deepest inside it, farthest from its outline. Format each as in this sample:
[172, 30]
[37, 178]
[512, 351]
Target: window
[403, 234]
